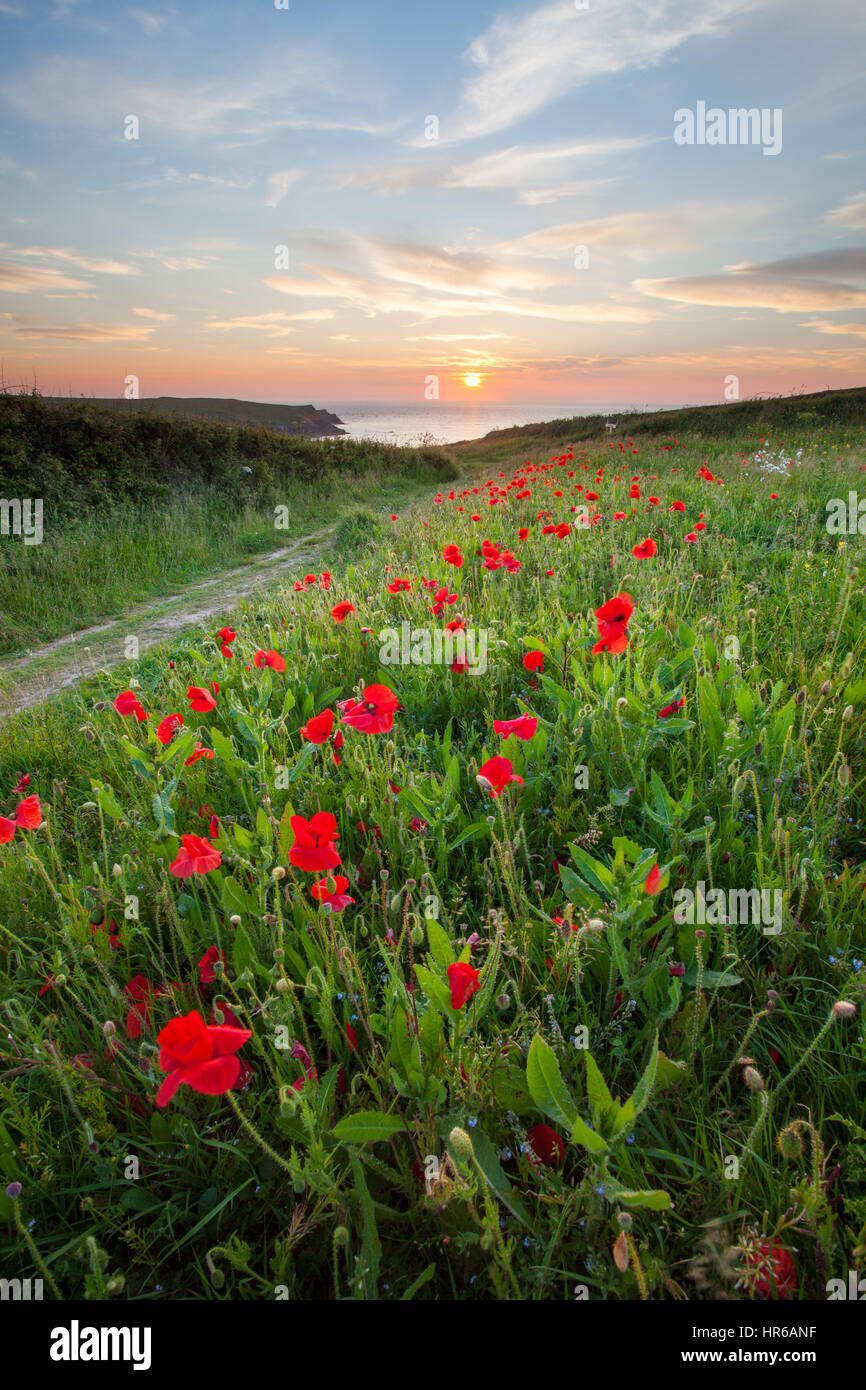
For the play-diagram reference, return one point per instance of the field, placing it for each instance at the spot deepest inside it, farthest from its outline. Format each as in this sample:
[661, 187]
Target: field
[483, 919]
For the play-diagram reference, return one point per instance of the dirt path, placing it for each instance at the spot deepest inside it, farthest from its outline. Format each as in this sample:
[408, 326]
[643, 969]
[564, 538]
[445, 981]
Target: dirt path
[26, 681]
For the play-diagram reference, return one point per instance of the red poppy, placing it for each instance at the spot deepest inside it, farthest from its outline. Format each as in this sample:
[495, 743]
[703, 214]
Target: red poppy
[522, 727]
[341, 611]
[546, 1144]
[198, 752]
[374, 714]
[673, 708]
[270, 658]
[496, 774]
[207, 962]
[195, 856]
[645, 550]
[313, 849]
[23, 782]
[167, 727]
[199, 1056]
[318, 729]
[351, 1038]
[771, 1271]
[534, 661]
[127, 702]
[28, 815]
[452, 556]
[200, 700]
[336, 897]
[613, 616]
[652, 881]
[140, 994]
[463, 979]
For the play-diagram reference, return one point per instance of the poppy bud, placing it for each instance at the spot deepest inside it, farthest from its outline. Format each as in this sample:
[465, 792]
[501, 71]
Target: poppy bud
[13, 1191]
[595, 924]
[843, 1008]
[461, 1144]
[417, 936]
[116, 871]
[282, 986]
[278, 873]
[789, 1143]
[753, 1079]
[341, 1235]
[800, 696]
[234, 920]
[503, 1002]
[278, 953]
[108, 1029]
[622, 702]
[848, 713]
[626, 1220]
[825, 688]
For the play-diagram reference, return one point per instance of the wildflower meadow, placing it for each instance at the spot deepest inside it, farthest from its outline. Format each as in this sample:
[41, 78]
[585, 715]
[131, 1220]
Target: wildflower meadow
[479, 918]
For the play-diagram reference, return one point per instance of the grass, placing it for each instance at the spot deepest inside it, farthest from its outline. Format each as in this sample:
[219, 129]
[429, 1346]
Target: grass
[699, 1084]
[200, 497]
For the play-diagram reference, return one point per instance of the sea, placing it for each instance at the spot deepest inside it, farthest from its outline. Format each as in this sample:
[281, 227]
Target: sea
[447, 422]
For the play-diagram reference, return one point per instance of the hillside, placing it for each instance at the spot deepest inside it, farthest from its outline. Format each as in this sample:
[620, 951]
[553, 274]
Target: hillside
[285, 419]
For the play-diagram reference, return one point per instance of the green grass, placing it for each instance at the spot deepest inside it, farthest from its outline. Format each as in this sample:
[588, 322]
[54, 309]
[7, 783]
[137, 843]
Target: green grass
[135, 507]
[316, 1189]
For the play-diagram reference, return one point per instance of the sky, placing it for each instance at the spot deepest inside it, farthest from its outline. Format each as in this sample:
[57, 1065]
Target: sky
[300, 201]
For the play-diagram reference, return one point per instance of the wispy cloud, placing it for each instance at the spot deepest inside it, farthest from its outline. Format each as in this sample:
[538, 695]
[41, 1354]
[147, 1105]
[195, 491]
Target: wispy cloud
[95, 264]
[31, 279]
[279, 185]
[852, 213]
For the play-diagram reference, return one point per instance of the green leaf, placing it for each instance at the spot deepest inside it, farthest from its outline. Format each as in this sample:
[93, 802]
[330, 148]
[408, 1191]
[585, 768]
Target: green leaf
[107, 800]
[546, 1085]
[367, 1126]
[715, 979]
[582, 1134]
[440, 947]
[643, 1090]
[654, 1198]
[604, 1108]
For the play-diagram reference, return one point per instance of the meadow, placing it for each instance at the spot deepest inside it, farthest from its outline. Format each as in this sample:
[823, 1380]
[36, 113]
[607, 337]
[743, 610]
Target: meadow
[332, 973]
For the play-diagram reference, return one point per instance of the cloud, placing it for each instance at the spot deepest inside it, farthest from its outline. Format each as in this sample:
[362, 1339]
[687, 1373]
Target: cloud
[459, 338]
[640, 235]
[854, 330]
[152, 314]
[87, 332]
[791, 285]
[524, 62]
[29, 279]
[852, 212]
[279, 185]
[538, 173]
[275, 324]
[169, 262]
[99, 267]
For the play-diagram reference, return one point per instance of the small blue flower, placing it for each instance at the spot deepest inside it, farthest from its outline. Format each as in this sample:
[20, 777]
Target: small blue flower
[472, 1121]
[630, 1139]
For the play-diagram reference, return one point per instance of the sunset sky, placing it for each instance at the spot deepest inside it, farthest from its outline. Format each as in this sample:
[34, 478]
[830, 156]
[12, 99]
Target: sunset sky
[408, 256]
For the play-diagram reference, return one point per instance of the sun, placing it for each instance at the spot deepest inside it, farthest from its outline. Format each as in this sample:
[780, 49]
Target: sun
[472, 379]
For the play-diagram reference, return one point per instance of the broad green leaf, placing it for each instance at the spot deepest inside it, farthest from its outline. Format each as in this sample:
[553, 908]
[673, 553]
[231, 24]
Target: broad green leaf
[367, 1126]
[546, 1085]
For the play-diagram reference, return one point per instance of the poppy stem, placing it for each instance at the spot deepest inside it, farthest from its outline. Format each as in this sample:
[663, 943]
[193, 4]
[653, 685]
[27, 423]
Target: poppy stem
[254, 1133]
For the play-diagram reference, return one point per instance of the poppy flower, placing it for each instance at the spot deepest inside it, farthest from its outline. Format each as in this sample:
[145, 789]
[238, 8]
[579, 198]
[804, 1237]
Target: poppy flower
[677, 507]
[677, 969]
[23, 782]
[652, 882]
[374, 714]
[614, 615]
[313, 849]
[615, 644]
[645, 550]
[195, 856]
[202, 701]
[673, 708]
[7, 830]
[127, 702]
[139, 994]
[198, 752]
[269, 658]
[496, 774]
[167, 727]
[534, 661]
[523, 727]
[336, 898]
[351, 1038]
[546, 1144]
[196, 1055]
[771, 1271]
[452, 556]
[206, 964]
[463, 979]
[28, 815]
[341, 611]
[399, 586]
[318, 729]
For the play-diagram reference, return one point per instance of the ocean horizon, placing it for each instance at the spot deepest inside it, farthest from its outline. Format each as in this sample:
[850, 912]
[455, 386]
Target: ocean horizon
[447, 422]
